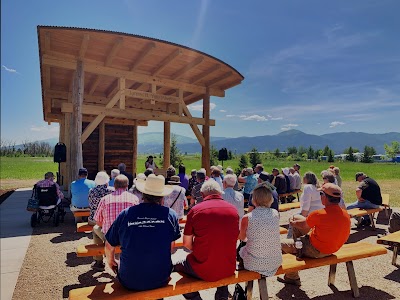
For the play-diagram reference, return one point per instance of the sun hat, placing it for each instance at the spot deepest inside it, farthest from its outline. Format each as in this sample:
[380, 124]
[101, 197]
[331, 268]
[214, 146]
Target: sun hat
[285, 171]
[331, 189]
[140, 176]
[154, 185]
[174, 180]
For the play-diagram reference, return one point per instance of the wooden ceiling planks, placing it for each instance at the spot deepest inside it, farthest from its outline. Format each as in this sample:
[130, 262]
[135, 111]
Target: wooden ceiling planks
[165, 61]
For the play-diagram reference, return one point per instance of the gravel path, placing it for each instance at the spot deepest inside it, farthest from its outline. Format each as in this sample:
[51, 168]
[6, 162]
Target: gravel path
[51, 269]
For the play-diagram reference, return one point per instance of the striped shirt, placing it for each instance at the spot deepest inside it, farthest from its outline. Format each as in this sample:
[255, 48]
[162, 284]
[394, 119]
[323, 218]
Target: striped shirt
[111, 205]
[48, 183]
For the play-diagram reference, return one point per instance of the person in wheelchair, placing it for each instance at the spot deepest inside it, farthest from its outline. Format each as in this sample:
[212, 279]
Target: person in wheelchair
[50, 201]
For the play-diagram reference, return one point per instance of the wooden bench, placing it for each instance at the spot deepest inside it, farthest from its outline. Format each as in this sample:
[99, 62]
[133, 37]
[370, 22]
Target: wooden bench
[83, 227]
[81, 213]
[288, 206]
[94, 250]
[181, 283]
[392, 240]
[290, 194]
[359, 213]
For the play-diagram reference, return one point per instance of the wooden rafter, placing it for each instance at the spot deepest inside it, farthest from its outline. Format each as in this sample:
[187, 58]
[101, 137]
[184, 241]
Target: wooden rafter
[205, 73]
[145, 52]
[113, 72]
[195, 129]
[187, 68]
[166, 61]
[95, 83]
[84, 46]
[220, 78]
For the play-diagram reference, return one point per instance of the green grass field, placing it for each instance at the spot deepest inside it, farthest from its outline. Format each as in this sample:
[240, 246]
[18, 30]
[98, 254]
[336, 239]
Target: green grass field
[23, 171]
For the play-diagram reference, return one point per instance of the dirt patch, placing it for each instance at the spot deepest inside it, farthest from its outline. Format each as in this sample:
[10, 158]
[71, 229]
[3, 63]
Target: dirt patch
[7, 184]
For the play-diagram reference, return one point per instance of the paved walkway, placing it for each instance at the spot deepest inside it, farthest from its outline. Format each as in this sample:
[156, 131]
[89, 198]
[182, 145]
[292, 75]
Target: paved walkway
[15, 233]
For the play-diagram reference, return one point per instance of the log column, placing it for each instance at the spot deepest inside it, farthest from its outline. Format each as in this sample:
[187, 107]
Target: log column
[135, 150]
[167, 141]
[67, 139]
[76, 160]
[102, 136]
[205, 157]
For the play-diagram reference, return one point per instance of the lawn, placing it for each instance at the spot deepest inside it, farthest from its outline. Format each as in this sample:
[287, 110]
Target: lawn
[25, 171]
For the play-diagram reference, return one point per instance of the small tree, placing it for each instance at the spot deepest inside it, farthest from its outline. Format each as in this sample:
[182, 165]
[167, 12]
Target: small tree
[230, 155]
[350, 155]
[301, 151]
[326, 150]
[175, 154]
[277, 153]
[213, 156]
[331, 156]
[310, 153]
[255, 157]
[367, 155]
[292, 150]
[392, 150]
[347, 150]
[243, 163]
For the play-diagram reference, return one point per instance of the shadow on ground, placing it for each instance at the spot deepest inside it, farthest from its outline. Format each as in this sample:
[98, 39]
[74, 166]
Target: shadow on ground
[293, 292]
[88, 279]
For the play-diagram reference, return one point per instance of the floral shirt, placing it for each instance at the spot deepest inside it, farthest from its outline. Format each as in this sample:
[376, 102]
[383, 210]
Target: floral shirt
[95, 195]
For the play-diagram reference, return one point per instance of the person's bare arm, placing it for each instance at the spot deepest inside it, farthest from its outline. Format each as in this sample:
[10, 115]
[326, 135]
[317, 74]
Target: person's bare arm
[250, 209]
[243, 228]
[358, 194]
[110, 257]
[299, 222]
[172, 246]
[304, 213]
[188, 241]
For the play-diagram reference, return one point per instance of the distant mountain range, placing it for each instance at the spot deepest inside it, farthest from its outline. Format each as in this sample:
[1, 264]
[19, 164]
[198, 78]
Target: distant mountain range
[153, 142]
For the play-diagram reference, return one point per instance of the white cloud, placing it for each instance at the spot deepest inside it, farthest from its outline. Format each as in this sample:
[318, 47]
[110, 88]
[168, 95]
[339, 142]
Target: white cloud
[222, 110]
[257, 118]
[336, 123]
[230, 116]
[199, 107]
[45, 129]
[9, 69]
[276, 119]
[288, 126]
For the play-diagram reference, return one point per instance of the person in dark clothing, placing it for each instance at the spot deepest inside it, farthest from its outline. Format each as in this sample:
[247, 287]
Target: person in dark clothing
[279, 181]
[122, 170]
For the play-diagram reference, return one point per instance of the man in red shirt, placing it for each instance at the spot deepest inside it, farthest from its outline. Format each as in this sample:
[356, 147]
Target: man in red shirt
[322, 233]
[211, 232]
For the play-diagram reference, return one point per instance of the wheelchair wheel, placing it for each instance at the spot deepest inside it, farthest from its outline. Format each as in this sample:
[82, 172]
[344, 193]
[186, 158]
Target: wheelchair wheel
[56, 218]
[34, 220]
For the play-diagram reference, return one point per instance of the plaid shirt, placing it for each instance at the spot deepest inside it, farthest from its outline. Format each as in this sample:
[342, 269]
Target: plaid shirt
[48, 183]
[111, 205]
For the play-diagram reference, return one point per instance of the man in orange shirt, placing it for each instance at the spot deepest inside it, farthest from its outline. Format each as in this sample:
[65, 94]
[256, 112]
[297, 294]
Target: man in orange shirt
[322, 233]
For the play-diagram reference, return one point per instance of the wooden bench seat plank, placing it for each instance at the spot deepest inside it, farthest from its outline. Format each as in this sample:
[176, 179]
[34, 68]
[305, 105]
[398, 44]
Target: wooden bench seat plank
[81, 213]
[393, 240]
[359, 212]
[288, 206]
[179, 284]
[83, 227]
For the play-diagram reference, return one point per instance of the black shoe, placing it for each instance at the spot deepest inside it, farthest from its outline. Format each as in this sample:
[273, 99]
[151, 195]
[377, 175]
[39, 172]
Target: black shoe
[98, 266]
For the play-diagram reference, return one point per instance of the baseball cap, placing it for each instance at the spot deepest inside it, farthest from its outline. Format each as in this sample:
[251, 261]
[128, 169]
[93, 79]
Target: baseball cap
[331, 190]
[358, 174]
[82, 171]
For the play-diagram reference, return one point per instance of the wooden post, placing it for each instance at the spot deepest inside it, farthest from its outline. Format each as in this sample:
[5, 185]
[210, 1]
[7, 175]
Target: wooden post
[102, 134]
[205, 158]
[67, 139]
[61, 139]
[135, 150]
[76, 160]
[167, 141]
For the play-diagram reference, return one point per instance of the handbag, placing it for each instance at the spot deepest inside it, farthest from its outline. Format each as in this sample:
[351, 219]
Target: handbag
[33, 202]
[239, 293]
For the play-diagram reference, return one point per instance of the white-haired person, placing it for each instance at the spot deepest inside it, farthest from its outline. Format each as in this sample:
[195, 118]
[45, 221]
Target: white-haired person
[328, 177]
[336, 170]
[211, 232]
[177, 199]
[114, 173]
[216, 175]
[134, 190]
[108, 210]
[231, 196]
[257, 227]
[147, 233]
[250, 181]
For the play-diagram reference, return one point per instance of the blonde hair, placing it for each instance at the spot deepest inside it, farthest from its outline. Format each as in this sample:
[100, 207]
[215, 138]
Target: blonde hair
[262, 195]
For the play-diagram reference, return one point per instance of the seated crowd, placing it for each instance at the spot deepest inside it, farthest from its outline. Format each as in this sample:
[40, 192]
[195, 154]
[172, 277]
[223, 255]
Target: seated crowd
[143, 218]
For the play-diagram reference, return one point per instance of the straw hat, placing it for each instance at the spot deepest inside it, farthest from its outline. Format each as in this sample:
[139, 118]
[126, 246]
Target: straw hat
[154, 185]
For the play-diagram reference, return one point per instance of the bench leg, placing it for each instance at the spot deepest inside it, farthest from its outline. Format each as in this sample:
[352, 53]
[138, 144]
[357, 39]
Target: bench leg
[262, 287]
[395, 252]
[371, 216]
[352, 279]
[332, 274]
[249, 290]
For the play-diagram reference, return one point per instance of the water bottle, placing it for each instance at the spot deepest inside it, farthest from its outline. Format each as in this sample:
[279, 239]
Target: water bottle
[299, 246]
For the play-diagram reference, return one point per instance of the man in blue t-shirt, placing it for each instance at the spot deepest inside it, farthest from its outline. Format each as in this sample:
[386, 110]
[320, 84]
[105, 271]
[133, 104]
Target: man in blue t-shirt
[80, 191]
[146, 234]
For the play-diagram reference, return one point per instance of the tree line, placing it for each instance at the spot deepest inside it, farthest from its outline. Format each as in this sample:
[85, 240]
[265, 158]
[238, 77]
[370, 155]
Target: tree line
[27, 148]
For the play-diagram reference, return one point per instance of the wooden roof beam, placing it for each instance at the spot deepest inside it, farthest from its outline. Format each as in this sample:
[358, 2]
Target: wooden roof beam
[84, 46]
[218, 79]
[166, 61]
[114, 72]
[113, 52]
[136, 114]
[188, 67]
[145, 52]
[205, 73]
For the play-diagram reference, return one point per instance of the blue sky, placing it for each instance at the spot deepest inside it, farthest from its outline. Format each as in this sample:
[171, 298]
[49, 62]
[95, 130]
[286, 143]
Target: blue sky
[315, 66]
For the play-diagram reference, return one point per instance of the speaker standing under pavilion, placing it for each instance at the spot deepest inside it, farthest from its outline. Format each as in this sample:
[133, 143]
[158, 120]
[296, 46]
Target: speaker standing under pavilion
[60, 155]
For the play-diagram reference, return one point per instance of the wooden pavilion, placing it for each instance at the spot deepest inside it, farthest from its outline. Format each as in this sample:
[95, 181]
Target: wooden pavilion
[101, 85]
